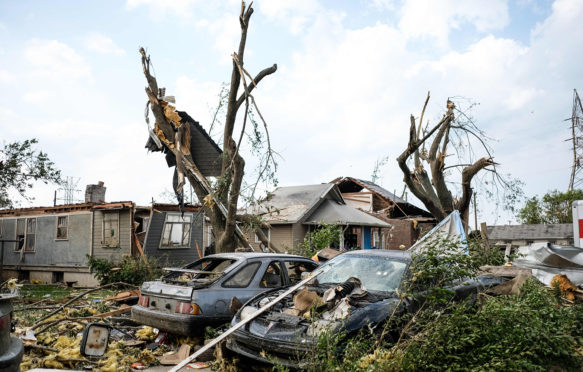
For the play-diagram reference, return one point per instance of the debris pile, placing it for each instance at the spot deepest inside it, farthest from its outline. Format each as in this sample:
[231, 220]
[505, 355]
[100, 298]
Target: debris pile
[52, 332]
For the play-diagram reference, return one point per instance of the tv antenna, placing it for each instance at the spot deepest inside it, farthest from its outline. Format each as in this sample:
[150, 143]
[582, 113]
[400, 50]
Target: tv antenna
[68, 189]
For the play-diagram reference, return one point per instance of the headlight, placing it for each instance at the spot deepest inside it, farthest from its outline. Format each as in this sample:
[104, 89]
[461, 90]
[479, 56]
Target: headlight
[247, 311]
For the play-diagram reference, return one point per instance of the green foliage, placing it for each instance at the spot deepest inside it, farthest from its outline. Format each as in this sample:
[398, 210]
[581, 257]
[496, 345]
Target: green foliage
[20, 166]
[554, 207]
[533, 331]
[131, 270]
[376, 172]
[439, 263]
[319, 239]
[529, 332]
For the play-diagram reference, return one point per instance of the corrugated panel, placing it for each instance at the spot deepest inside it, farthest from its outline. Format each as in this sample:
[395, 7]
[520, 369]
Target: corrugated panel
[530, 232]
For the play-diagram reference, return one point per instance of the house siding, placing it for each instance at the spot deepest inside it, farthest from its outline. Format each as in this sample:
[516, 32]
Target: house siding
[125, 235]
[281, 237]
[174, 256]
[299, 232]
[50, 252]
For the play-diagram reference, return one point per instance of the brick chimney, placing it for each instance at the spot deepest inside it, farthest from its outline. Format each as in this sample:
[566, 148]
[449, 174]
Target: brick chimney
[95, 193]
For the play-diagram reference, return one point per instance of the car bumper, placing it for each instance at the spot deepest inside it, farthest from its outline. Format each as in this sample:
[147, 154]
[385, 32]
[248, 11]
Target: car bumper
[289, 354]
[181, 324]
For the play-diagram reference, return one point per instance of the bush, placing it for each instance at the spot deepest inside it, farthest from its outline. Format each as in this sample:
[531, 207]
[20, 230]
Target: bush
[323, 237]
[131, 270]
[533, 331]
[529, 332]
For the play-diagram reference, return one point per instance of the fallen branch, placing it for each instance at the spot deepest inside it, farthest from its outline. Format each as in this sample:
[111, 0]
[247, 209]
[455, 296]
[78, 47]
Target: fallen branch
[62, 307]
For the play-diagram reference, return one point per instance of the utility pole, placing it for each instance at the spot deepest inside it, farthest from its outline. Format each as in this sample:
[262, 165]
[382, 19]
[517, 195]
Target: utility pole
[577, 139]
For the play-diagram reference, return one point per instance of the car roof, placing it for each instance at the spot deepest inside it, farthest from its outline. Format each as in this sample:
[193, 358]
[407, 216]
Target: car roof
[384, 253]
[242, 255]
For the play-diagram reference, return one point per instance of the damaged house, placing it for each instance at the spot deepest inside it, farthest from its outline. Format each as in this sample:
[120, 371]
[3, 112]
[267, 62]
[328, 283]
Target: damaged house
[294, 211]
[173, 237]
[51, 244]
[408, 222]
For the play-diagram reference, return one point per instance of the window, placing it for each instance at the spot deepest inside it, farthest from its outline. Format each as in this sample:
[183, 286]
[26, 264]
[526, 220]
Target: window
[62, 227]
[243, 277]
[296, 268]
[30, 235]
[266, 232]
[111, 229]
[176, 233]
[20, 233]
[272, 277]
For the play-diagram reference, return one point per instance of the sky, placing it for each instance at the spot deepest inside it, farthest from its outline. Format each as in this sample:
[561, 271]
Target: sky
[350, 74]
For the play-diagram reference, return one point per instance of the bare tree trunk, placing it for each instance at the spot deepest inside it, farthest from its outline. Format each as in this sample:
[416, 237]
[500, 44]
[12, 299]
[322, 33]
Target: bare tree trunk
[434, 193]
[227, 193]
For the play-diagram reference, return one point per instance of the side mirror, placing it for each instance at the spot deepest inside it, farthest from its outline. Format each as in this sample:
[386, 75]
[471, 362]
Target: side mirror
[95, 340]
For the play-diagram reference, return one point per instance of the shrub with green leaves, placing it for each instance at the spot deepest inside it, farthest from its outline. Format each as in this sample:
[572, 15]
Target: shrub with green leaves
[131, 270]
[325, 236]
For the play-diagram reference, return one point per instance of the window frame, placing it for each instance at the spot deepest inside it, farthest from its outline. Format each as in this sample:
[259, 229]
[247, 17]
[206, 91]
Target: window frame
[172, 223]
[66, 226]
[257, 240]
[27, 234]
[103, 243]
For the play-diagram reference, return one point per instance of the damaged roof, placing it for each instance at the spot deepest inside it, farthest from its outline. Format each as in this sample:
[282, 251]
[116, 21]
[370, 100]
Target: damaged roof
[531, 232]
[65, 208]
[338, 213]
[205, 153]
[354, 185]
[311, 204]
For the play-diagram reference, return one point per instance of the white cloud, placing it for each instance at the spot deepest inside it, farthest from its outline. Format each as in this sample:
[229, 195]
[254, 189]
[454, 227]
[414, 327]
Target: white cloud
[37, 96]
[102, 44]
[160, 8]
[226, 31]
[55, 60]
[6, 77]
[296, 14]
[436, 19]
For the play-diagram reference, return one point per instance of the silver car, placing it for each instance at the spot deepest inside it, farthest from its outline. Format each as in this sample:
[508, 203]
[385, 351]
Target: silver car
[188, 299]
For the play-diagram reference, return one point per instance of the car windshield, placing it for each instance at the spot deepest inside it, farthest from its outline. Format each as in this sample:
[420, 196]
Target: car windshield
[375, 273]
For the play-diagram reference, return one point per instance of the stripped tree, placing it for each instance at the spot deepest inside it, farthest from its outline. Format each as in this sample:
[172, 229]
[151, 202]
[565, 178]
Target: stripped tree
[220, 201]
[428, 148]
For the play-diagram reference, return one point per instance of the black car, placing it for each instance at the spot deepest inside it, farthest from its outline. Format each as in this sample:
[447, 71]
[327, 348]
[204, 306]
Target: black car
[359, 289]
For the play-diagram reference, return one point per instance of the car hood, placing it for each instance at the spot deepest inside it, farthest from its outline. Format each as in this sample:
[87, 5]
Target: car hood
[348, 314]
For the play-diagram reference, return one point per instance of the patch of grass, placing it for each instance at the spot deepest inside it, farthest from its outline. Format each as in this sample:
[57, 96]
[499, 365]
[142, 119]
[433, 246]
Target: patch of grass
[39, 292]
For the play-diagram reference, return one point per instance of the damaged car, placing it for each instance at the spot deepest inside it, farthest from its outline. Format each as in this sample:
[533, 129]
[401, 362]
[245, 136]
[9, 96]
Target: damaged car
[357, 290]
[210, 290]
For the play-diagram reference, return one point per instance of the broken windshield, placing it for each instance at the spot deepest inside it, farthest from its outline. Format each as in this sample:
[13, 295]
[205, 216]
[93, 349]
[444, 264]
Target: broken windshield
[375, 273]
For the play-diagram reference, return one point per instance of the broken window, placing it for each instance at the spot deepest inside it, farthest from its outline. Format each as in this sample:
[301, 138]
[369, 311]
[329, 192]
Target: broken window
[30, 235]
[176, 233]
[243, 277]
[111, 229]
[62, 227]
[272, 277]
[20, 233]
[296, 268]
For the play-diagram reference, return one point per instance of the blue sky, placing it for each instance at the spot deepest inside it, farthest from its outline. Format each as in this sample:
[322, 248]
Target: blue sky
[350, 74]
